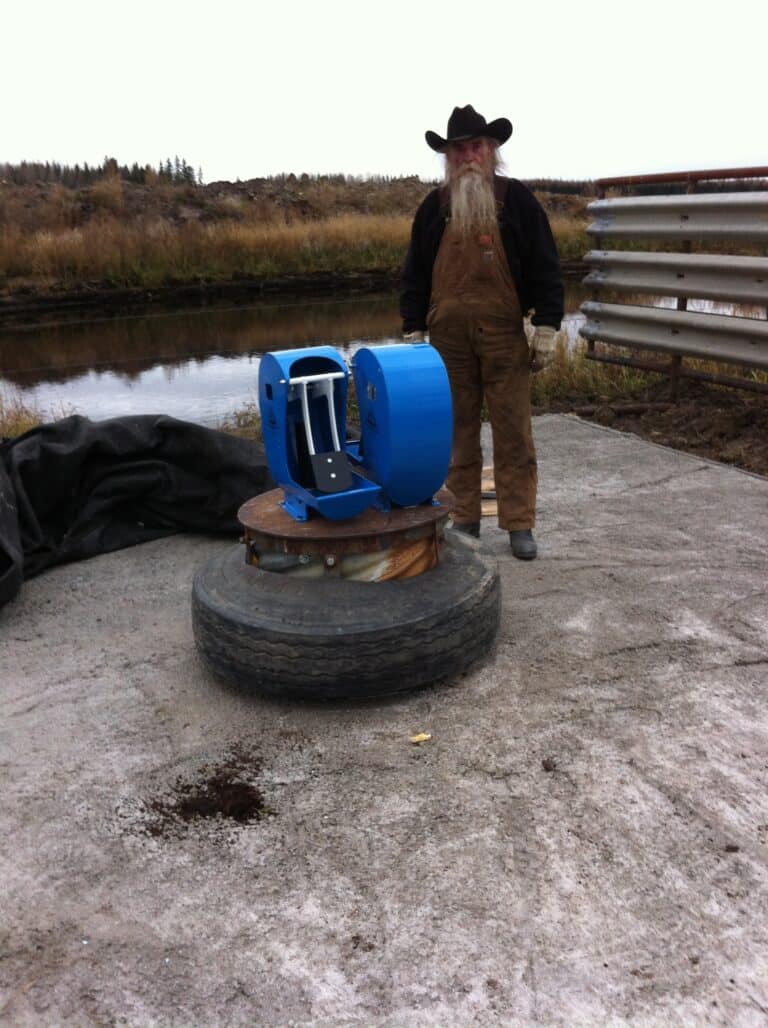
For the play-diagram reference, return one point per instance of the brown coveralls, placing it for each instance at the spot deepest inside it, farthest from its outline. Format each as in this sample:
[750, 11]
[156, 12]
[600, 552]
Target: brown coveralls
[476, 325]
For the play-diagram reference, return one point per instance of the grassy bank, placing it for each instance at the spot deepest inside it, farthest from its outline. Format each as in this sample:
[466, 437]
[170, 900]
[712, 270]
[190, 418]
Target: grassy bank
[108, 253]
[115, 234]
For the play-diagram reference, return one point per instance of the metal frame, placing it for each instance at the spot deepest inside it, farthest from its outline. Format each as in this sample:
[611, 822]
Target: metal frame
[691, 178]
[323, 386]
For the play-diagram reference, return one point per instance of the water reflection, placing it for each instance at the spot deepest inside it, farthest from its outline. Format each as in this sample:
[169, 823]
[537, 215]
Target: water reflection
[129, 345]
[199, 364]
[195, 364]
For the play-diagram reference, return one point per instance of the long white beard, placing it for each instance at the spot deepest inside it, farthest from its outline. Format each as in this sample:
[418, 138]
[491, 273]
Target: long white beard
[473, 203]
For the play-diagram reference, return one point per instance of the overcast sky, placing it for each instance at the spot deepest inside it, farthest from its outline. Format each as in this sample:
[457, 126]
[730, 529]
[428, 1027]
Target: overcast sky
[245, 89]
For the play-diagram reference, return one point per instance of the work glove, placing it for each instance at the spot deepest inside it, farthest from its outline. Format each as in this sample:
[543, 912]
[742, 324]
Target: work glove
[542, 347]
[413, 337]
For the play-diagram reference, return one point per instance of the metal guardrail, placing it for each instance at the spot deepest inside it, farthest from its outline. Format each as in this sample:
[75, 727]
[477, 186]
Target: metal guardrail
[712, 217]
[704, 276]
[737, 216]
[685, 333]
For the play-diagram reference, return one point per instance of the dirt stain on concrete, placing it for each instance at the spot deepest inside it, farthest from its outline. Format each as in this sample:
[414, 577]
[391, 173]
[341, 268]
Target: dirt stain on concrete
[222, 790]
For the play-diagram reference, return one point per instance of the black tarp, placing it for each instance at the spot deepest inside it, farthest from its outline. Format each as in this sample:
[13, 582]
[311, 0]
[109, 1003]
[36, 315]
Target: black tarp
[76, 488]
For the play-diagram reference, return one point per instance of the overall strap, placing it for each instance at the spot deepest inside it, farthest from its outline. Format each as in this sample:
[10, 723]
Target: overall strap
[500, 186]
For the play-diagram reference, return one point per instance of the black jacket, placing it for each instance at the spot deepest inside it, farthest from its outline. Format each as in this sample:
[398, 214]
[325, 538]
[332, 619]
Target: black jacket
[528, 243]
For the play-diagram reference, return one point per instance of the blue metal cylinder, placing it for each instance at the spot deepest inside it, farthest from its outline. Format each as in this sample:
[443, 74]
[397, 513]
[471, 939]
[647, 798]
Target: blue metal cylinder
[406, 423]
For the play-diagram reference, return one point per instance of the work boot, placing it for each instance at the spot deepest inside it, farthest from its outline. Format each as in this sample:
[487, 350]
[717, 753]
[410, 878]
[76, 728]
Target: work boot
[468, 528]
[523, 544]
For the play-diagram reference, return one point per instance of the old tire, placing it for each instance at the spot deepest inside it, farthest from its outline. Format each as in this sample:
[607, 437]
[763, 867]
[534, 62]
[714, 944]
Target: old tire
[331, 638]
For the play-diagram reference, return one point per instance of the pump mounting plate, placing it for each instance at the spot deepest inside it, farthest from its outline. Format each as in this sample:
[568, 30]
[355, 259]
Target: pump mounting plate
[269, 527]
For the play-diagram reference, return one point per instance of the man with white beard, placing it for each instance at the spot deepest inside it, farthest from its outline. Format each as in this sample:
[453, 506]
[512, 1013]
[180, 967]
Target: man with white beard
[482, 257]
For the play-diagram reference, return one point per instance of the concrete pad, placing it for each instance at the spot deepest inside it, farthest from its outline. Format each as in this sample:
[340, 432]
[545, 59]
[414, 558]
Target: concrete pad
[583, 840]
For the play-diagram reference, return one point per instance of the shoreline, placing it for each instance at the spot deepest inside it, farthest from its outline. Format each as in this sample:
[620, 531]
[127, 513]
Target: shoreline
[115, 300]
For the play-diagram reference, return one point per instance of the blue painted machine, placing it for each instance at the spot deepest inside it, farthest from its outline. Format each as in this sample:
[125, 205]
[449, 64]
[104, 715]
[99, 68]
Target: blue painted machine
[405, 420]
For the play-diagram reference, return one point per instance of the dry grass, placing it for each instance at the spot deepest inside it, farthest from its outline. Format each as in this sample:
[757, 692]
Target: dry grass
[22, 210]
[119, 234]
[16, 417]
[244, 422]
[570, 234]
[730, 370]
[158, 252]
[572, 377]
[110, 253]
[344, 243]
[107, 194]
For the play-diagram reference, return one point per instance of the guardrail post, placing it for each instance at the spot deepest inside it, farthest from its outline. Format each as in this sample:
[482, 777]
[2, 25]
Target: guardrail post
[682, 305]
[596, 290]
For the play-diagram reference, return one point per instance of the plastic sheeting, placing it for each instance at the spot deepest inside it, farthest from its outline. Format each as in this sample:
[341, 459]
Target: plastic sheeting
[76, 488]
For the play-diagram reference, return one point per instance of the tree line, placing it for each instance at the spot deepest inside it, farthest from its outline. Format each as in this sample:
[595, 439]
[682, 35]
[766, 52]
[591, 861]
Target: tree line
[176, 172]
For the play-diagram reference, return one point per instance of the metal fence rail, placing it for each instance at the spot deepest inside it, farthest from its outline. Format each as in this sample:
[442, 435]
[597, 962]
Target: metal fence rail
[690, 178]
[686, 333]
[733, 217]
[703, 276]
[736, 216]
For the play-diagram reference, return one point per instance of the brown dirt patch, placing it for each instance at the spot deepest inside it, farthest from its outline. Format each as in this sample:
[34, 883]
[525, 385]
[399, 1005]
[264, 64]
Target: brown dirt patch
[223, 791]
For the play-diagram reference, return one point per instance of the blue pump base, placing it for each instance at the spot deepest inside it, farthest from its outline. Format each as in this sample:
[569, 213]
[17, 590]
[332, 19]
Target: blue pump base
[299, 502]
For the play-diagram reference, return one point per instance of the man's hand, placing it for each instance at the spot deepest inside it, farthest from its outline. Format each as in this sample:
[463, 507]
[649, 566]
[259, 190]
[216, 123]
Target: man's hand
[413, 337]
[542, 347]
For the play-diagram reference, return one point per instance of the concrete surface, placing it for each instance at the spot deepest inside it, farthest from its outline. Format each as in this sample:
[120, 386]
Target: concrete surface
[584, 839]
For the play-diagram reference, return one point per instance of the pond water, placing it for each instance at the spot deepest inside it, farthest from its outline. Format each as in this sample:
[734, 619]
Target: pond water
[197, 364]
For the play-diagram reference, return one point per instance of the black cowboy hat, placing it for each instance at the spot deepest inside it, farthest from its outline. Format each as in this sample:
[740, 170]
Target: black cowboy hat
[466, 123]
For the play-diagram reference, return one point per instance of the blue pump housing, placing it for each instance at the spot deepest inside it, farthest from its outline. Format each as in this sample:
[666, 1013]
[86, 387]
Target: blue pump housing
[405, 419]
[405, 416]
